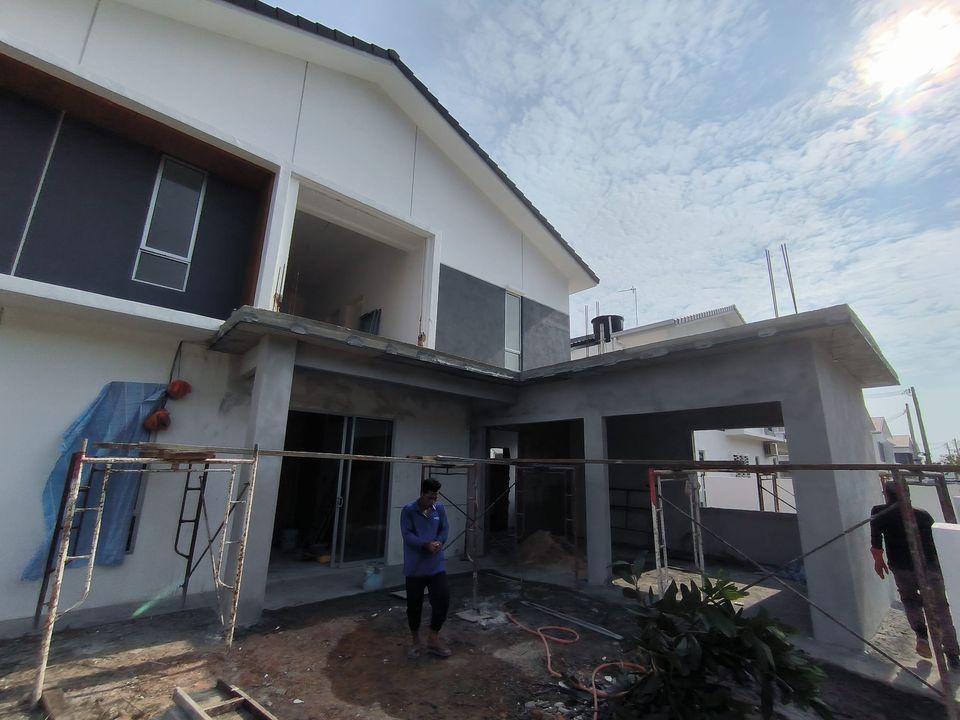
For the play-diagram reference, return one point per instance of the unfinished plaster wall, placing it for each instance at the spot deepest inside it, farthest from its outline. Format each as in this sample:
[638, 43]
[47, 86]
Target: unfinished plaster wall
[842, 575]
[787, 371]
[53, 368]
[424, 423]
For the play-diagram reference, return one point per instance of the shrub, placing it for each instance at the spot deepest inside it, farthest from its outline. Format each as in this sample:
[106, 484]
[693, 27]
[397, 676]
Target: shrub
[707, 660]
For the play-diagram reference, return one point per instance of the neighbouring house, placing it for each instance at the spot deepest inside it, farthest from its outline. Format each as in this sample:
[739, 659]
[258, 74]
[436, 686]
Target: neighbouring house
[287, 218]
[608, 333]
[744, 491]
[882, 440]
[905, 450]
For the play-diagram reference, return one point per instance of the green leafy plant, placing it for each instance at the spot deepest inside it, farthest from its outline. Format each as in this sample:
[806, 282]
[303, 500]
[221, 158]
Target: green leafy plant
[706, 659]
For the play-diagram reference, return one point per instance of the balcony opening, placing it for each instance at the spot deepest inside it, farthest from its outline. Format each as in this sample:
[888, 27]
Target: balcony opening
[350, 268]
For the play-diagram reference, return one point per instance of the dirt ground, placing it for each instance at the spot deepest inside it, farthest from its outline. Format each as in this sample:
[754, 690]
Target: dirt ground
[346, 658]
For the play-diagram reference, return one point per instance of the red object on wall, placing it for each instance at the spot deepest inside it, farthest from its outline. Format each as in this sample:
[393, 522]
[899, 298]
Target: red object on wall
[179, 389]
[160, 420]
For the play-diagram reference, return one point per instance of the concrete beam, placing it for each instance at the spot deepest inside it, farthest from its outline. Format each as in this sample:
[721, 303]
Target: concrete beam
[327, 360]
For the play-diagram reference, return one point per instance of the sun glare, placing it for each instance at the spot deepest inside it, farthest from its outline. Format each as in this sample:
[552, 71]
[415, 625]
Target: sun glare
[912, 49]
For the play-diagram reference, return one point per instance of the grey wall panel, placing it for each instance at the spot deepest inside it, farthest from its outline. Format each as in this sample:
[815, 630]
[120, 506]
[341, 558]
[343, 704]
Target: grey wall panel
[546, 335]
[89, 217]
[26, 130]
[89, 222]
[470, 317]
[225, 241]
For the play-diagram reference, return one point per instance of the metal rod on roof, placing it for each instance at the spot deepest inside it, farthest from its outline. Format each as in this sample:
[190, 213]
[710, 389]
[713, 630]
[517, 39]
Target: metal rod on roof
[786, 263]
[773, 288]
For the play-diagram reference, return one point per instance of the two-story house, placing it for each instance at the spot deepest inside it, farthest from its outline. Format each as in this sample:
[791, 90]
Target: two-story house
[288, 219]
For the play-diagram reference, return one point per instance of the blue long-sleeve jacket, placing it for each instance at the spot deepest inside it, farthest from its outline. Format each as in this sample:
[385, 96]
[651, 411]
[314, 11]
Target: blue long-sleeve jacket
[418, 530]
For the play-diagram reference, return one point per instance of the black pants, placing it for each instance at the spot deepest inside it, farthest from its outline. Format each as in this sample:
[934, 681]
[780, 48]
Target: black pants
[439, 600]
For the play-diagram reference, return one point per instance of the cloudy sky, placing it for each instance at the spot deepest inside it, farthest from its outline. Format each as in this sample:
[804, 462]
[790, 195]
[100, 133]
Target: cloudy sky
[672, 142]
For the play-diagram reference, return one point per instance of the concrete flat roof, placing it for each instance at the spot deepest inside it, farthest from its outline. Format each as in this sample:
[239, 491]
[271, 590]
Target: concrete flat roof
[838, 327]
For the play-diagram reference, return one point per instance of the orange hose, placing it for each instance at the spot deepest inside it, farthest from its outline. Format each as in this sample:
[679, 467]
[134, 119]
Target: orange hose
[597, 694]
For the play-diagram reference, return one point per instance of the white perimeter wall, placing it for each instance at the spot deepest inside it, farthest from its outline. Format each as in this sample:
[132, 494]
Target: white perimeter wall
[329, 128]
[52, 370]
[727, 490]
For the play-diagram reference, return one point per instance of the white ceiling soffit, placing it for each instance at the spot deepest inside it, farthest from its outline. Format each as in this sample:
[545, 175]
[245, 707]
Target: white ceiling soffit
[227, 19]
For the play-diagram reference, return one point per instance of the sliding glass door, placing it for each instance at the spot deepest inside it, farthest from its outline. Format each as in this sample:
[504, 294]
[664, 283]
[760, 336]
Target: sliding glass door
[336, 509]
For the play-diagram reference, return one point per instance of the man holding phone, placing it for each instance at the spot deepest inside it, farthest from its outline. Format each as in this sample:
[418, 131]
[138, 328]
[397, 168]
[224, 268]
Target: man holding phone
[424, 526]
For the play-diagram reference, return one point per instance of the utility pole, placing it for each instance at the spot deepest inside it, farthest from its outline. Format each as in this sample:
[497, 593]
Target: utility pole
[923, 432]
[913, 438]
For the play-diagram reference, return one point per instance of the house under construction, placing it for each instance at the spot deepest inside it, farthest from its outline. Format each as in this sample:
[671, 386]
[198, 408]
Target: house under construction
[286, 217]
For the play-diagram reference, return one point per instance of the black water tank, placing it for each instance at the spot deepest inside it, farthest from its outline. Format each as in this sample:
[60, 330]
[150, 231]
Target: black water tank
[605, 325]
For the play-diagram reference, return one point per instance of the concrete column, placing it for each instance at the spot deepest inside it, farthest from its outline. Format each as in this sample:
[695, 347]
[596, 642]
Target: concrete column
[597, 487]
[266, 427]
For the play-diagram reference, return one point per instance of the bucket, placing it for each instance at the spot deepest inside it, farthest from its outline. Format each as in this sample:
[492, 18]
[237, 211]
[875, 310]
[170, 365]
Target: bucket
[372, 579]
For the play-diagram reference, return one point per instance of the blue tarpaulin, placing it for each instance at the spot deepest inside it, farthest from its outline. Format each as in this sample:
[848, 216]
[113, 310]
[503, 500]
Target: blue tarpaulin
[116, 415]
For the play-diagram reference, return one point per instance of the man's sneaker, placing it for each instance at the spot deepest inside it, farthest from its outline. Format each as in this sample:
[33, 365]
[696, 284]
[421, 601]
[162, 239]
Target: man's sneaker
[953, 660]
[439, 649]
[413, 652]
[923, 648]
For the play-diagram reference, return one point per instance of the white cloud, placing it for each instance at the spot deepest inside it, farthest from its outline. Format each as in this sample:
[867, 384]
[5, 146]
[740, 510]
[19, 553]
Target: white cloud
[671, 142]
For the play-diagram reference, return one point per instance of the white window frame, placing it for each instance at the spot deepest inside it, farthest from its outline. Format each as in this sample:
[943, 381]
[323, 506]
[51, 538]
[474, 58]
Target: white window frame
[146, 249]
[517, 352]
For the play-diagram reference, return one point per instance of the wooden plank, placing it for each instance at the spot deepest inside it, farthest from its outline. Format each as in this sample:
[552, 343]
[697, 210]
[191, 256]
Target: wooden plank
[259, 710]
[225, 706]
[189, 705]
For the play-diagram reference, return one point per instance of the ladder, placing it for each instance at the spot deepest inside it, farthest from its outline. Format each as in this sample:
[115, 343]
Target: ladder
[692, 488]
[659, 530]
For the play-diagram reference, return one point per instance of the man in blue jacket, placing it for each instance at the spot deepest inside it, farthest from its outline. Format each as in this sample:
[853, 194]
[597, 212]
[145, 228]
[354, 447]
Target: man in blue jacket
[424, 526]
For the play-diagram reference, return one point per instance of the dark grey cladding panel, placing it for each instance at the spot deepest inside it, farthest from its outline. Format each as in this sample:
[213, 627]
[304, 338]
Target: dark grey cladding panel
[470, 317]
[89, 221]
[546, 335]
[26, 130]
[89, 217]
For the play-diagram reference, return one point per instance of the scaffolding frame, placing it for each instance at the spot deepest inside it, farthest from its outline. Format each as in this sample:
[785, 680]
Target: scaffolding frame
[899, 476]
[161, 461]
[167, 454]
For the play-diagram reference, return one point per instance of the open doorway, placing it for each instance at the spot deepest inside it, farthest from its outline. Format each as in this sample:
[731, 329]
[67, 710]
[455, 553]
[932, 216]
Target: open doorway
[333, 512]
[739, 432]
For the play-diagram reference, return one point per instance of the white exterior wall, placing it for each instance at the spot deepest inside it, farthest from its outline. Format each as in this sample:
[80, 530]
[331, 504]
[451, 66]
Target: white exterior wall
[58, 28]
[355, 140]
[331, 129]
[727, 490]
[946, 537]
[54, 368]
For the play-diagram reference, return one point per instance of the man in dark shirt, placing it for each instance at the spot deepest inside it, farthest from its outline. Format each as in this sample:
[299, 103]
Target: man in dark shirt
[886, 528]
